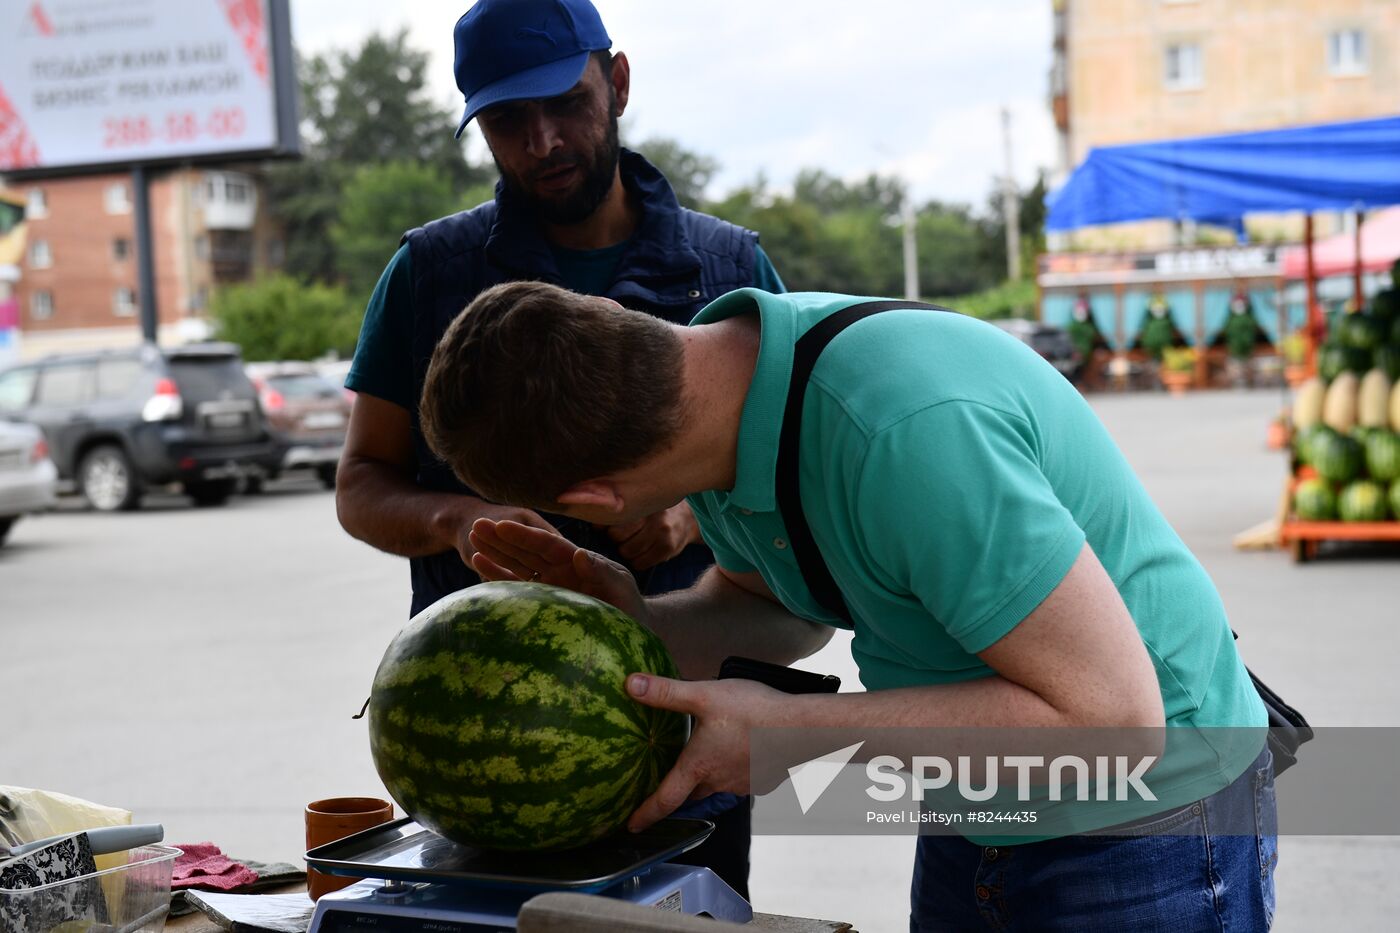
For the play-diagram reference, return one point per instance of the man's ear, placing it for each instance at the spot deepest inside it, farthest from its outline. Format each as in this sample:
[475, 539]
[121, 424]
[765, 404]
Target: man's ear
[596, 493]
[621, 80]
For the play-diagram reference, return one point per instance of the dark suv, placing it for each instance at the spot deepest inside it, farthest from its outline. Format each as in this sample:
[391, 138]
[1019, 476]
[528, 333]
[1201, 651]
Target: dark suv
[119, 421]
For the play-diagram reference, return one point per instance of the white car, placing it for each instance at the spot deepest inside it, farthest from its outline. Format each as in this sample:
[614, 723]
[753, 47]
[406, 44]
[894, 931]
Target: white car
[28, 478]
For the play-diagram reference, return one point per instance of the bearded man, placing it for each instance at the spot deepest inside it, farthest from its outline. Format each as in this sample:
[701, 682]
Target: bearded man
[572, 208]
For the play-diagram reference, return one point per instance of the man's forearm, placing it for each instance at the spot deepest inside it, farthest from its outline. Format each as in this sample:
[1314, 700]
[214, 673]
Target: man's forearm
[382, 508]
[715, 618]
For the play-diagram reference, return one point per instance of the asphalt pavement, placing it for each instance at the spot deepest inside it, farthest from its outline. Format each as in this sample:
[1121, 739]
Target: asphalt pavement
[201, 666]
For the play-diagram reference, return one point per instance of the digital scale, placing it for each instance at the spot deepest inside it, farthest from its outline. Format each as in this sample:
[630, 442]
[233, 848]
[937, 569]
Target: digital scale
[418, 881]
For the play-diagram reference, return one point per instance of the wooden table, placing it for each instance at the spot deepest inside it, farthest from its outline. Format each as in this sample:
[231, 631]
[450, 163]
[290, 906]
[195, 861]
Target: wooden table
[197, 922]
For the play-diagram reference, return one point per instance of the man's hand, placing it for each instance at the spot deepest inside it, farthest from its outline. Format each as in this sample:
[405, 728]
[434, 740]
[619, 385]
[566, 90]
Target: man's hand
[716, 759]
[464, 516]
[509, 550]
[656, 538]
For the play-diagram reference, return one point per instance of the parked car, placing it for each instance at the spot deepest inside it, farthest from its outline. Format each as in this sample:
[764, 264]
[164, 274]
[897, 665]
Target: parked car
[118, 422]
[1051, 342]
[28, 479]
[337, 371]
[308, 415]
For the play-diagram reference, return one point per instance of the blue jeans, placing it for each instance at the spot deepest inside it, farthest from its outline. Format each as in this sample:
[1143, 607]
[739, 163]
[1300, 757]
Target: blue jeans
[1193, 878]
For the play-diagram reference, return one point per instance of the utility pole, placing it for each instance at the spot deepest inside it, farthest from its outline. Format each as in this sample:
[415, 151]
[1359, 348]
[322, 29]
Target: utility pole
[1010, 204]
[911, 255]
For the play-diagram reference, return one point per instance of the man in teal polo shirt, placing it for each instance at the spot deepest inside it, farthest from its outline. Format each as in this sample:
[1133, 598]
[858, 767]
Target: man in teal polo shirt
[1002, 563]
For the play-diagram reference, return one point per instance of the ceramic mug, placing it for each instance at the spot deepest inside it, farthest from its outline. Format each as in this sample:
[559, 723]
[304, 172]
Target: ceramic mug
[335, 818]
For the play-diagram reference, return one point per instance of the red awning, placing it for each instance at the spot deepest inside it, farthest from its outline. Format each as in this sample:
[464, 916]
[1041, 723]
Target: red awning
[1336, 255]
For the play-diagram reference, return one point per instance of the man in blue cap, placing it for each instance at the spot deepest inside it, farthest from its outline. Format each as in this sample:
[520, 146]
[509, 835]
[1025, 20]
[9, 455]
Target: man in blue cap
[574, 209]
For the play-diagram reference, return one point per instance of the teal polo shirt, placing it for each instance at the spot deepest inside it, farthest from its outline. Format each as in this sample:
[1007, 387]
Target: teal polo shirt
[951, 477]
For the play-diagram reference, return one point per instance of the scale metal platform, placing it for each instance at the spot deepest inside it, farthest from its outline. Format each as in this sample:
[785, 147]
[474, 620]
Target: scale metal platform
[417, 880]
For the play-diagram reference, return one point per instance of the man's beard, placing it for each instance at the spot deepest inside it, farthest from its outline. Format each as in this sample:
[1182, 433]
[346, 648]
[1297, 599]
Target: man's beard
[599, 168]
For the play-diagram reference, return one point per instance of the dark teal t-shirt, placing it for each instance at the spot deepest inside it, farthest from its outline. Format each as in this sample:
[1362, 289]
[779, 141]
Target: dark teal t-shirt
[380, 367]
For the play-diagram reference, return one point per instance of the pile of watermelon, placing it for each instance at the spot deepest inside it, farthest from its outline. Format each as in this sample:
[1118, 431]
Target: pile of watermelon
[1346, 420]
[499, 718]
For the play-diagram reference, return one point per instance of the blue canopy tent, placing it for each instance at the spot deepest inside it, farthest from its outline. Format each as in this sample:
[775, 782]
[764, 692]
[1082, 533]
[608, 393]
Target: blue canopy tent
[1220, 179]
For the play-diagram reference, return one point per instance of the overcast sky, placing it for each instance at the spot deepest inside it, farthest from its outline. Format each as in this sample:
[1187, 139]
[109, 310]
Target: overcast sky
[908, 87]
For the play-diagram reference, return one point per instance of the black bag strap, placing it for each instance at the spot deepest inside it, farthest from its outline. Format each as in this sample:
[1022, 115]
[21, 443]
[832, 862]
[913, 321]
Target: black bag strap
[808, 348]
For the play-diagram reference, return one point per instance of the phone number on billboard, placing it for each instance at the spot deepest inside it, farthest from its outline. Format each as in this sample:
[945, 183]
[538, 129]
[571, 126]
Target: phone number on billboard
[178, 127]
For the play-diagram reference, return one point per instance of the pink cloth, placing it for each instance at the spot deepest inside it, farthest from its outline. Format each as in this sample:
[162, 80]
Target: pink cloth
[203, 866]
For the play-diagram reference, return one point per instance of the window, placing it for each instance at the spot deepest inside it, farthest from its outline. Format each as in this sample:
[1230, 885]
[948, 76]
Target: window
[201, 299]
[65, 384]
[117, 377]
[237, 191]
[36, 204]
[1346, 53]
[124, 302]
[40, 256]
[1184, 70]
[121, 249]
[41, 306]
[117, 199]
[201, 247]
[16, 389]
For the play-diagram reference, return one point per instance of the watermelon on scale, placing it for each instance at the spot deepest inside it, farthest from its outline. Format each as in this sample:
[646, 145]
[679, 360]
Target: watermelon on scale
[499, 717]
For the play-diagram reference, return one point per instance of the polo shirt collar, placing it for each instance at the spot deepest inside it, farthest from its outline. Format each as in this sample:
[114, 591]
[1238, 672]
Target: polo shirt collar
[762, 418]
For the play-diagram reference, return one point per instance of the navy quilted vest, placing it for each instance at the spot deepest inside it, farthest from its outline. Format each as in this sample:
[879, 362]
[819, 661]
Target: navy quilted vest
[676, 263]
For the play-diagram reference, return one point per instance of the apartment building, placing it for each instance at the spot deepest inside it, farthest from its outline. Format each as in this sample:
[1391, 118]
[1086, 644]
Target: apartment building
[78, 281]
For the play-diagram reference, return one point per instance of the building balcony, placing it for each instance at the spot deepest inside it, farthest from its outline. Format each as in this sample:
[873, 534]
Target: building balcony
[229, 200]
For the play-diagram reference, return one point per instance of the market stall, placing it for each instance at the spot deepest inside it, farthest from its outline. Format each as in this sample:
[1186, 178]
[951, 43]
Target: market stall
[1345, 452]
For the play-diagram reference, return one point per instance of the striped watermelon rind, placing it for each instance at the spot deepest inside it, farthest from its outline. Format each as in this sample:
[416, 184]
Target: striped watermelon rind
[1362, 501]
[499, 717]
[1383, 455]
[1336, 457]
[1314, 501]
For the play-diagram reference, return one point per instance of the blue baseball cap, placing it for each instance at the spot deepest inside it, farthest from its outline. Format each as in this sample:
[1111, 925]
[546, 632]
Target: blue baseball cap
[522, 49]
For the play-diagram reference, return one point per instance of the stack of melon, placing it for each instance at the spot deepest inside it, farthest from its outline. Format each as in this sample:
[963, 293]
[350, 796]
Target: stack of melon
[1346, 420]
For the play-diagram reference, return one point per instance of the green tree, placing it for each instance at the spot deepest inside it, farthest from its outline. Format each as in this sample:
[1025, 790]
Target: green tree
[377, 206]
[367, 106]
[280, 318]
[688, 172]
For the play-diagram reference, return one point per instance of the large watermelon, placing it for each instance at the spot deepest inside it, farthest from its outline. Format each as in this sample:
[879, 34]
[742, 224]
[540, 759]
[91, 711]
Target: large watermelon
[1395, 498]
[499, 717]
[1362, 501]
[1336, 457]
[1303, 441]
[1383, 455]
[1331, 361]
[1387, 359]
[1360, 331]
[1314, 501]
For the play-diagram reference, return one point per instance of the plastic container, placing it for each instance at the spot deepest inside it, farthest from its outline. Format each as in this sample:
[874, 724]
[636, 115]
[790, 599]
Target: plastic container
[131, 898]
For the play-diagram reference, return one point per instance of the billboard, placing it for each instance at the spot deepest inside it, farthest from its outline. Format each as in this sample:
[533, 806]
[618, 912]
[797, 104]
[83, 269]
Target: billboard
[100, 84]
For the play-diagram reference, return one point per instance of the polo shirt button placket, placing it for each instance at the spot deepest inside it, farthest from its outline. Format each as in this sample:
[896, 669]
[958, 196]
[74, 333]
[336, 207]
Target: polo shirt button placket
[780, 544]
[746, 511]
